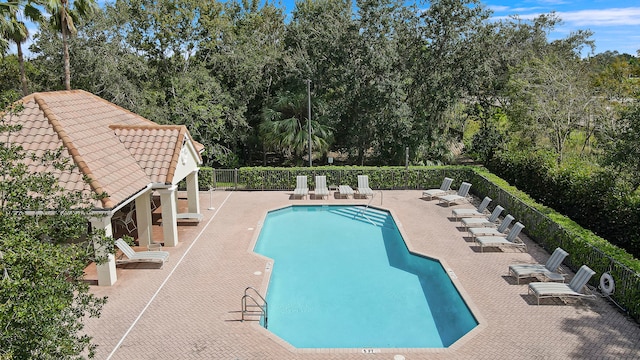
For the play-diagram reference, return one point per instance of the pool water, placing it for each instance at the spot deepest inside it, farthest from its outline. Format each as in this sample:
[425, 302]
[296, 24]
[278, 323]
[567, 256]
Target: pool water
[344, 280]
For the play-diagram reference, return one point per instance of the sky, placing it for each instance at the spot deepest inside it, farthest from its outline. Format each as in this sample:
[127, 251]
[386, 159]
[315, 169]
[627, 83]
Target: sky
[615, 23]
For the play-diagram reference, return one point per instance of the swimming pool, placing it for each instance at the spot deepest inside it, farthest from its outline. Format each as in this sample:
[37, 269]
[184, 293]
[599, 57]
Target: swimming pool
[341, 280]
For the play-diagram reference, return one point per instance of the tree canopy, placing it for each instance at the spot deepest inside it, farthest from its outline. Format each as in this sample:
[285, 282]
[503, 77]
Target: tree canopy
[385, 77]
[44, 248]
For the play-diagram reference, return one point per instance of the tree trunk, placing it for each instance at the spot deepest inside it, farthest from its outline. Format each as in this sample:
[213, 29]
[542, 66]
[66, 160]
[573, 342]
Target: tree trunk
[264, 156]
[65, 48]
[23, 76]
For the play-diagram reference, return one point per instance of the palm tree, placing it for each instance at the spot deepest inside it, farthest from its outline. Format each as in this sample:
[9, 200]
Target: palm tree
[5, 26]
[16, 31]
[64, 16]
[19, 35]
[7, 12]
[284, 126]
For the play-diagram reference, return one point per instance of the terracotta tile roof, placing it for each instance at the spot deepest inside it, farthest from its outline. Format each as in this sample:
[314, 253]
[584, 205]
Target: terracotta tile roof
[153, 145]
[119, 151]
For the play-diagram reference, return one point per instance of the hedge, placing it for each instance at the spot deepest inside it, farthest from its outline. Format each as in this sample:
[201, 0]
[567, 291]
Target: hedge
[386, 178]
[592, 196]
[551, 229]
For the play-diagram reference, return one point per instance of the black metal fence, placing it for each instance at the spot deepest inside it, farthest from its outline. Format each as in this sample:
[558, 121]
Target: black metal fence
[542, 229]
[281, 179]
[224, 179]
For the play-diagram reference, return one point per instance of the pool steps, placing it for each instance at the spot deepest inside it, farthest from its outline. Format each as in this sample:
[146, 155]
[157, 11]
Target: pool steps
[369, 215]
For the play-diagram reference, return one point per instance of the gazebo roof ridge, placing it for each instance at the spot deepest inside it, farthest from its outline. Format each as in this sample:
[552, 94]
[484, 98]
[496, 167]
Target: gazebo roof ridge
[120, 152]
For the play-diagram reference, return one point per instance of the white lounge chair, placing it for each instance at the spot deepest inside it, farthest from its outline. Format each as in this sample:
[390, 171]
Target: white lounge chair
[444, 189]
[522, 271]
[489, 231]
[302, 189]
[345, 191]
[511, 240]
[573, 289]
[363, 186]
[321, 187]
[491, 221]
[480, 211]
[141, 256]
[462, 194]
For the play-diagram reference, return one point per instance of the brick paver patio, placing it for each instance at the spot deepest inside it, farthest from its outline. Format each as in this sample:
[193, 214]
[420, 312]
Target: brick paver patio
[190, 308]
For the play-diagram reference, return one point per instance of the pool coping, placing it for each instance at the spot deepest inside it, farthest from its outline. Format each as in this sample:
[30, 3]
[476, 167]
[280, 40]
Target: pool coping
[466, 297]
[475, 311]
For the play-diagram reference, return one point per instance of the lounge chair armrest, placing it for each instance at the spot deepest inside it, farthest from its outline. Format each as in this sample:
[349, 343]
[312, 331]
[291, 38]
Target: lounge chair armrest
[589, 291]
[553, 276]
[519, 242]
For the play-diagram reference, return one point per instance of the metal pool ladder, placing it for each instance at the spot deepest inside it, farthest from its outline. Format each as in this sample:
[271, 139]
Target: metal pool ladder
[251, 306]
[364, 210]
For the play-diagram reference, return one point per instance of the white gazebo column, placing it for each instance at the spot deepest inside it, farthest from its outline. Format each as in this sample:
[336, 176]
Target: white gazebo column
[193, 200]
[106, 271]
[169, 223]
[143, 218]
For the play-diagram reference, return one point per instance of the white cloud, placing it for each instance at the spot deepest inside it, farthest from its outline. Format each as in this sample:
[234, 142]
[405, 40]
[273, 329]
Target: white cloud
[525, 9]
[597, 17]
[603, 17]
[553, 2]
[499, 8]
[614, 28]
[510, 10]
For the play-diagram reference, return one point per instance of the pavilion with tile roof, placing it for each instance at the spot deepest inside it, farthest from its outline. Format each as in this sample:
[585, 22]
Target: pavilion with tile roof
[124, 156]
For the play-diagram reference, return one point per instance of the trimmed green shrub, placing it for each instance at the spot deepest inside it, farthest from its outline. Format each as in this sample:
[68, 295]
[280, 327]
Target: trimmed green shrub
[591, 196]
